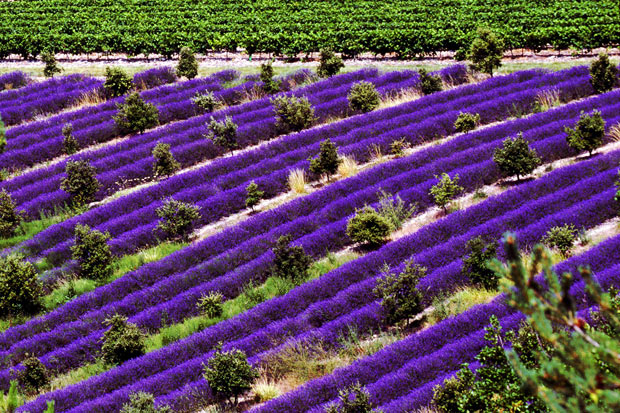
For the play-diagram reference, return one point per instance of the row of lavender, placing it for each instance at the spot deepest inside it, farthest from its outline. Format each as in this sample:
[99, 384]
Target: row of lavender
[300, 311]
[14, 80]
[182, 305]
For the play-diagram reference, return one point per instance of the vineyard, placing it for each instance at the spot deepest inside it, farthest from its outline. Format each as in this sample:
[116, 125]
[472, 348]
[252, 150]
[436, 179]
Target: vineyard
[163, 222]
[409, 29]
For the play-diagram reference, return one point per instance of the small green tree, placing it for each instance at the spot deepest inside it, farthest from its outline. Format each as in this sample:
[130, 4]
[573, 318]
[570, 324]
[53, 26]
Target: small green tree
[588, 133]
[478, 254]
[229, 374]
[122, 341]
[20, 288]
[254, 195]
[363, 97]
[223, 133]
[70, 145]
[399, 295]
[292, 113]
[117, 81]
[2, 137]
[135, 115]
[165, 164]
[187, 66]
[603, 74]
[329, 64]
[486, 51]
[177, 218]
[352, 399]
[445, 190]
[270, 85]
[34, 377]
[10, 217]
[466, 122]
[367, 226]
[397, 147]
[211, 304]
[92, 253]
[290, 262]
[207, 101]
[81, 182]
[515, 157]
[142, 402]
[51, 66]
[561, 237]
[429, 83]
[328, 160]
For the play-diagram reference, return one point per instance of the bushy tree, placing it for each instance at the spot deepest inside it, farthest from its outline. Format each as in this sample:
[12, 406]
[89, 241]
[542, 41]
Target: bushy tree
[515, 157]
[51, 66]
[142, 402]
[70, 145]
[122, 341]
[187, 66]
[81, 182]
[292, 113]
[290, 262]
[478, 254]
[561, 237]
[603, 74]
[329, 64]
[20, 288]
[399, 294]
[10, 217]
[34, 377]
[117, 82]
[211, 304]
[352, 399]
[327, 162]
[136, 115]
[165, 164]
[486, 51]
[229, 374]
[177, 218]
[466, 122]
[207, 101]
[223, 133]
[270, 85]
[588, 133]
[445, 190]
[429, 83]
[367, 226]
[254, 195]
[92, 253]
[363, 97]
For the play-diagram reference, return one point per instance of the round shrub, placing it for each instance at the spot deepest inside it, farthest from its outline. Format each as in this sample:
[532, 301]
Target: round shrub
[368, 227]
[363, 97]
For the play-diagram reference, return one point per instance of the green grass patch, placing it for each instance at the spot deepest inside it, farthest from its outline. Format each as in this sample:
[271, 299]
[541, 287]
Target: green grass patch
[459, 302]
[29, 229]
[77, 375]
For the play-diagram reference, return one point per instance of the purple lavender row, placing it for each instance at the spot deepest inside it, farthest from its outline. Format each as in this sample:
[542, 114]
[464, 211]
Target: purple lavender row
[163, 382]
[14, 80]
[152, 78]
[24, 94]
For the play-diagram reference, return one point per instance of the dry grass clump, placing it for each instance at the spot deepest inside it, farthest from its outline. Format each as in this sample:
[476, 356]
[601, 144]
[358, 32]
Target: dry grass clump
[402, 96]
[614, 132]
[297, 181]
[348, 167]
[92, 97]
[548, 99]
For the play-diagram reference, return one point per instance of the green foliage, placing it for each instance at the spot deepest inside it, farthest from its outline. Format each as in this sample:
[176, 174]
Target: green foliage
[207, 102]
[486, 51]
[292, 113]
[10, 217]
[12, 400]
[252, 295]
[399, 295]
[117, 81]
[394, 210]
[329, 64]
[122, 341]
[363, 97]
[20, 288]
[588, 133]
[254, 195]
[165, 164]
[92, 253]
[177, 218]
[135, 115]
[353, 399]
[290, 262]
[617, 184]
[81, 182]
[142, 402]
[51, 66]
[327, 162]
[187, 66]
[603, 74]
[223, 133]
[50, 406]
[34, 377]
[211, 304]
[397, 147]
[515, 157]
[367, 226]
[466, 122]
[429, 83]
[270, 85]
[563, 238]
[475, 263]
[445, 190]
[2, 138]
[70, 145]
[229, 374]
